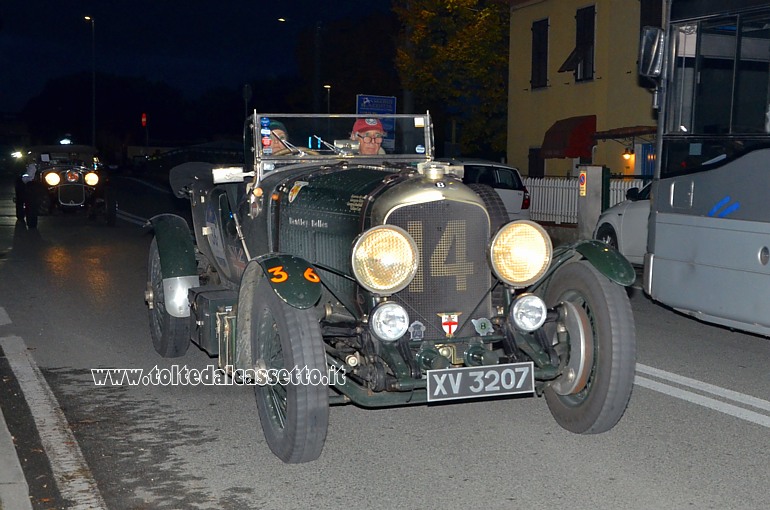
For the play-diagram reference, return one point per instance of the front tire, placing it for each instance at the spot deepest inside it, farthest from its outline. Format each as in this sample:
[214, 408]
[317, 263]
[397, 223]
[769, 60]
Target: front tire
[294, 414]
[110, 207]
[604, 309]
[607, 235]
[170, 335]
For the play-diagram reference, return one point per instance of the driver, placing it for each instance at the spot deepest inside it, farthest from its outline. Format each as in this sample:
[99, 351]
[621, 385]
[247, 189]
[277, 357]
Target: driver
[369, 133]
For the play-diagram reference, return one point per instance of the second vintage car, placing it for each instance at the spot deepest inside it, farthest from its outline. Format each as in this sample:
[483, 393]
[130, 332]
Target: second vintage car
[342, 264]
[65, 178]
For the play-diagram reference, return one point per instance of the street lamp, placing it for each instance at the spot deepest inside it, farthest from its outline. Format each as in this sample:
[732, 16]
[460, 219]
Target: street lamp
[93, 80]
[328, 98]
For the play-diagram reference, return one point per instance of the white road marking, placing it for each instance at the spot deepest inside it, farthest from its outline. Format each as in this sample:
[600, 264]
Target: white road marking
[131, 218]
[703, 400]
[711, 403]
[705, 387]
[73, 477]
[4, 319]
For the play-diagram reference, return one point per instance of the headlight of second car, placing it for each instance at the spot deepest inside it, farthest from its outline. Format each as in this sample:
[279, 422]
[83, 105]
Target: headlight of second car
[91, 178]
[385, 259]
[52, 178]
[520, 253]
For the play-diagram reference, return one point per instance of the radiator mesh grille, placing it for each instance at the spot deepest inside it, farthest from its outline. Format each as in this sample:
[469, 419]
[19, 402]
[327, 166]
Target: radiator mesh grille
[454, 275]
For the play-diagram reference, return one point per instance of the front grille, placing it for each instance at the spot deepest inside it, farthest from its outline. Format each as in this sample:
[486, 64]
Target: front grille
[72, 194]
[454, 275]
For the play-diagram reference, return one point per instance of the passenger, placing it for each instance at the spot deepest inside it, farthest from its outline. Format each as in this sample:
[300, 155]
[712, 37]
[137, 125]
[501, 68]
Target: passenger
[369, 133]
[278, 134]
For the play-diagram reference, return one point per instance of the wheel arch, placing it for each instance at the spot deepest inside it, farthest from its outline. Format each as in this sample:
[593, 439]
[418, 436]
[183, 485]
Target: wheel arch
[296, 290]
[608, 261]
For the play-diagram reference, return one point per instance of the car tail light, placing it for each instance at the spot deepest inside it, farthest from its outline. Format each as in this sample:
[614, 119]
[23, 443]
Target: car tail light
[525, 201]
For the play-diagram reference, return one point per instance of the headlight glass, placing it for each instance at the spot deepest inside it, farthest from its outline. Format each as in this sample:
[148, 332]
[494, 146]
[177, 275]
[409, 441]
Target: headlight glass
[385, 259]
[52, 178]
[528, 312]
[520, 253]
[389, 321]
[91, 178]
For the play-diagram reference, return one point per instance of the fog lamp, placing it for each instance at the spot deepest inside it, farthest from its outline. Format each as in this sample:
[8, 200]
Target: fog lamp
[91, 178]
[52, 178]
[389, 321]
[528, 312]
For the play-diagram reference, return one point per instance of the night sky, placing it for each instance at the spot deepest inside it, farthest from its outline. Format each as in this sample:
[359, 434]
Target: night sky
[193, 45]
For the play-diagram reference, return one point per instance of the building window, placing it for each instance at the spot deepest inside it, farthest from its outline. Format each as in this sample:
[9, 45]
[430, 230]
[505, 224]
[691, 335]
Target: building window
[581, 60]
[539, 78]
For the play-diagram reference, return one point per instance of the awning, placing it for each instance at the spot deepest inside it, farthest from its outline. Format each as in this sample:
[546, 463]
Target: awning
[570, 138]
[626, 132]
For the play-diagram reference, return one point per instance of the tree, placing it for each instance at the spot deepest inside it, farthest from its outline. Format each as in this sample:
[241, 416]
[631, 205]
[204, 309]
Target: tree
[454, 58]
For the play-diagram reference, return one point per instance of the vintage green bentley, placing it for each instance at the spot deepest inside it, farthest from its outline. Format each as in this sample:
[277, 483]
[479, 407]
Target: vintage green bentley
[324, 272]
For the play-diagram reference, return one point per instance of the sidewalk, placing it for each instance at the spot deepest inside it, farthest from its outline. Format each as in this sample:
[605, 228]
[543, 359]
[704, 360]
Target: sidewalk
[14, 492]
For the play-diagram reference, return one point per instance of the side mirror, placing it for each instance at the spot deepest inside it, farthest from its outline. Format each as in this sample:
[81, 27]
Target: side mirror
[651, 52]
[632, 194]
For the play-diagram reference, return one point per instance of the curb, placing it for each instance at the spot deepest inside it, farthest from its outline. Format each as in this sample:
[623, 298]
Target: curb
[14, 491]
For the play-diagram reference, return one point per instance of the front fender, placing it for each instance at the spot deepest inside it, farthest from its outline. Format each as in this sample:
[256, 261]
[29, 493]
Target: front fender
[607, 260]
[177, 261]
[293, 279]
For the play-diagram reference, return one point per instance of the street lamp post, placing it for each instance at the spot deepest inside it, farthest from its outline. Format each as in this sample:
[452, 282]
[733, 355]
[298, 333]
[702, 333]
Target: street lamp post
[93, 80]
[328, 98]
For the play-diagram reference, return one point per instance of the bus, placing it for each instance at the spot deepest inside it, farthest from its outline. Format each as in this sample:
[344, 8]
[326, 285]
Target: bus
[708, 246]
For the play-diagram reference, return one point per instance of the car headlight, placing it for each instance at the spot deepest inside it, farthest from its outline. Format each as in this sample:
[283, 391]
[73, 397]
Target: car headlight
[520, 253]
[52, 178]
[385, 259]
[389, 321]
[91, 178]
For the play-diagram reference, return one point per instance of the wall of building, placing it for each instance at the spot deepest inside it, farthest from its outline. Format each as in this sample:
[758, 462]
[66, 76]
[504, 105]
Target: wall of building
[613, 95]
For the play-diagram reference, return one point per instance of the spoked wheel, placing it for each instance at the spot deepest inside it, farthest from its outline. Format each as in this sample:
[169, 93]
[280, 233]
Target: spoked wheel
[170, 335]
[593, 392]
[294, 412]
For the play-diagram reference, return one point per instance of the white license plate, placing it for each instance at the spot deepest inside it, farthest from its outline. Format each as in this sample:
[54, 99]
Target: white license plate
[484, 381]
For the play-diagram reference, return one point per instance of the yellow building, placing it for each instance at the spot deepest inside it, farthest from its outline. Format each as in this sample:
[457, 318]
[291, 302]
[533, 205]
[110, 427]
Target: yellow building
[574, 92]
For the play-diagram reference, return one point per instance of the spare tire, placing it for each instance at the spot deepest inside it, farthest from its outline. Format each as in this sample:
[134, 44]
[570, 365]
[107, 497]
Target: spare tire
[498, 217]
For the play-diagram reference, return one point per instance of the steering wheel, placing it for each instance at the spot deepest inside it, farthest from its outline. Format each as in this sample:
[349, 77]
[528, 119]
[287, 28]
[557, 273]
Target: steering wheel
[299, 151]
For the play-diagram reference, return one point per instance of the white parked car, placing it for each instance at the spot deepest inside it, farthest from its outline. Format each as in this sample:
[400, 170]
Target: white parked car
[624, 225]
[505, 180]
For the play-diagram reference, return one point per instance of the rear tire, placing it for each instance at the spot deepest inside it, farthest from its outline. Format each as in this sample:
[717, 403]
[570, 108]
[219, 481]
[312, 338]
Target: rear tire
[170, 335]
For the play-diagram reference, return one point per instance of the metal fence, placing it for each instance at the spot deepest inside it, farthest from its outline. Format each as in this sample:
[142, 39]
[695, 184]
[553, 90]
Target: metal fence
[555, 199]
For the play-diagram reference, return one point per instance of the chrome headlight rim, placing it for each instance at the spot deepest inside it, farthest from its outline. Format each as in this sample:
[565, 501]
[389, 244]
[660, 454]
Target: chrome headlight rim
[375, 322]
[364, 279]
[495, 247]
